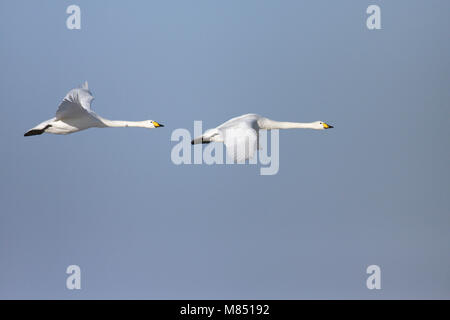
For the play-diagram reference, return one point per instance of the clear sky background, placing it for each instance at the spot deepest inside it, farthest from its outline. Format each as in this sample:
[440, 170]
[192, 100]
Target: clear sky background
[374, 190]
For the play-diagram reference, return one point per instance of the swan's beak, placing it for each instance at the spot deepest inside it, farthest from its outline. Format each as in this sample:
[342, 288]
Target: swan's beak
[156, 124]
[327, 126]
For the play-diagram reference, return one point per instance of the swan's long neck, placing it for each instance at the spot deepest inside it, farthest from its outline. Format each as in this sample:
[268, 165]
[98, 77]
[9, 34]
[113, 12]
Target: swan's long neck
[121, 124]
[271, 124]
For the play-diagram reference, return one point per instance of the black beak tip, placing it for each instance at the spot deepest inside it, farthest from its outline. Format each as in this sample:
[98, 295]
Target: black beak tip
[161, 125]
[330, 127]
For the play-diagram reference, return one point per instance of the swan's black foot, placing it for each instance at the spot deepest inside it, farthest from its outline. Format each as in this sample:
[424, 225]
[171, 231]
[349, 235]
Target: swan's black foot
[203, 142]
[36, 132]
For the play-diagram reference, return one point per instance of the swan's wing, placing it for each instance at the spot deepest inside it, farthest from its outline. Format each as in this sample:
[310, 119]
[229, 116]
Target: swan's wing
[76, 103]
[249, 119]
[241, 142]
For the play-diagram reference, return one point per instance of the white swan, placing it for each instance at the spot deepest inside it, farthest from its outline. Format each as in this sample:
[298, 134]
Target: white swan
[75, 114]
[241, 134]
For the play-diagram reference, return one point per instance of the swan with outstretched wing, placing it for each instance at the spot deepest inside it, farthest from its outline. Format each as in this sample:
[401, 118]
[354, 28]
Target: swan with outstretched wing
[240, 135]
[74, 114]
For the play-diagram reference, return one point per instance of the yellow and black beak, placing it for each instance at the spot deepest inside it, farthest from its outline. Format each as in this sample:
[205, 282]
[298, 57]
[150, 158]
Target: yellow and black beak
[327, 126]
[156, 124]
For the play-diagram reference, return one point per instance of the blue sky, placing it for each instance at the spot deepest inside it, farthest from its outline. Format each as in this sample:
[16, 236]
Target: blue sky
[374, 190]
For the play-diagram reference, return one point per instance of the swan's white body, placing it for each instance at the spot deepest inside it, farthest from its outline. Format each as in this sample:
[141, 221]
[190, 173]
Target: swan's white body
[241, 134]
[75, 114]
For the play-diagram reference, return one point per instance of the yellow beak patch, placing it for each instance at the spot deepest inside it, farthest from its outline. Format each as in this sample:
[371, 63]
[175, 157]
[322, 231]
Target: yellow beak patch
[156, 124]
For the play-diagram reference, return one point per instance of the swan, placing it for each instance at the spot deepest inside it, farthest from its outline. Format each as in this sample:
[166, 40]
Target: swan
[241, 134]
[75, 114]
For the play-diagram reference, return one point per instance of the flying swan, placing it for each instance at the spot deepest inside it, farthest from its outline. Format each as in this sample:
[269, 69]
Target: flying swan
[75, 114]
[241, 134]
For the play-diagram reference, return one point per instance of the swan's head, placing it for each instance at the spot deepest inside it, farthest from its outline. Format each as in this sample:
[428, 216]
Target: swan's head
[320, 125]
[153, 124]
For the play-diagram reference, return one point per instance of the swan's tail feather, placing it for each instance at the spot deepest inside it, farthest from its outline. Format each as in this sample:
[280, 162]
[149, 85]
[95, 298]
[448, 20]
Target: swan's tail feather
[36, 132]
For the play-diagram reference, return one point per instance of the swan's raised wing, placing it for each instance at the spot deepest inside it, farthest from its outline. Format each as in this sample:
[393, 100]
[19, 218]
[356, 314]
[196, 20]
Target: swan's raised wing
[249, 119]
[241, 142]
[76, 103]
